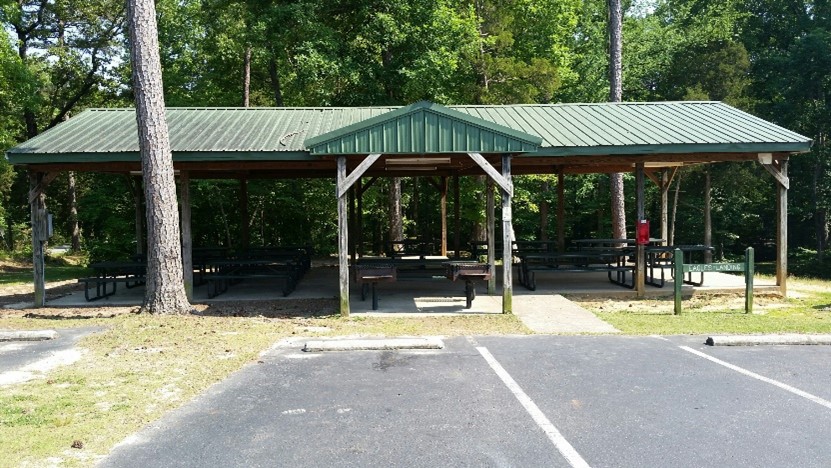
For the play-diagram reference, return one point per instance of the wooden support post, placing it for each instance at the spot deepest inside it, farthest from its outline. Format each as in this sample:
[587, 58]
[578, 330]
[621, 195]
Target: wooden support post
[490, 219]
[665, 180]
[187, 237]
[561, 212]
[343, 234]
[708, 219]
[782, 228]
[507, 230]
[359, 225]
[678, 265]
[640, 257]
[546, 186]
[457, 216]
[245, 230]
[351, 223]
[749, 272]
[443, 191]
[37, 205]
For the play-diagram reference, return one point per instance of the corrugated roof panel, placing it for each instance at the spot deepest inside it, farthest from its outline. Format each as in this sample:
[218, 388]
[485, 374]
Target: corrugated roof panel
[564, 128]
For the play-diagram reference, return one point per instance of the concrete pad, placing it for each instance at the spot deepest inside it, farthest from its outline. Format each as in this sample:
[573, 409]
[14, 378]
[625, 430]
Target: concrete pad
[782, 339]
[556, 314]
[27, 335]
[373, 345]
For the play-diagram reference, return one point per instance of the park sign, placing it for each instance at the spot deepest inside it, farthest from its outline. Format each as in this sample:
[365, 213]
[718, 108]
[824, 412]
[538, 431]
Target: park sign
[705, 267]
[746, 267]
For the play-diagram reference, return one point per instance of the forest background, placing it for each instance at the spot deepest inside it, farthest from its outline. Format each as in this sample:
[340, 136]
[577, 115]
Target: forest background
[771, 58]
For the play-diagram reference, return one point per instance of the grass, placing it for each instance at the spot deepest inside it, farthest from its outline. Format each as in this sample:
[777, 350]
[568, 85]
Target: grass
[53, 273]
[62, 268]
[807, 310]
[143, 366]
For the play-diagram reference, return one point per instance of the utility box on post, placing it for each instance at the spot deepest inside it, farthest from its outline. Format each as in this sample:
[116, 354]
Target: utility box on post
[642, 234]
[44, 227]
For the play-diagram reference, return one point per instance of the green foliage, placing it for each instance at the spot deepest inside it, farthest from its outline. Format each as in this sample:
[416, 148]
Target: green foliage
[769, 57]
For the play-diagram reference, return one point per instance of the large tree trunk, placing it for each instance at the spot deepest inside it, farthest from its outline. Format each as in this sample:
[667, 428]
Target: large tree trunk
[246, 77]
[165, 289]
[708, 220]
[616, 95]
[546, 186]
[820, 213]
[72, 199]
[674, 209]
[274, 73]
[480, 228]
[396, 218]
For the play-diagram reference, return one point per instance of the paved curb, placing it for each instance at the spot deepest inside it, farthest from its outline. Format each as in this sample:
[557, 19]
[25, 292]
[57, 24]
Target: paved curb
[753, 340]
[373, 345]
[28, 335]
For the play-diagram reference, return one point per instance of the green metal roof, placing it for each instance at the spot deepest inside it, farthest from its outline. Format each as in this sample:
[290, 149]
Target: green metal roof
[269, 134]
[420, 128]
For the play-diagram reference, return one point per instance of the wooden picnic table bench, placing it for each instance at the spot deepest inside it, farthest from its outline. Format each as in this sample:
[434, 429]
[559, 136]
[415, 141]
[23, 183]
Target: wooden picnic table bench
[613, 261]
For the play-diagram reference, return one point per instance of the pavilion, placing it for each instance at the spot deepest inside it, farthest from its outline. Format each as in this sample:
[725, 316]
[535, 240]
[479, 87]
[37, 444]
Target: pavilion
[350, 144]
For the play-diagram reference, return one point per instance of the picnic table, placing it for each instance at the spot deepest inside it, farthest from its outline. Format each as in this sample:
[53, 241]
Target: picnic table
[371, 271]
[662, 256]
[226, 272]
[614, 261]
[479, 248]
[610, 243]
[108, 274]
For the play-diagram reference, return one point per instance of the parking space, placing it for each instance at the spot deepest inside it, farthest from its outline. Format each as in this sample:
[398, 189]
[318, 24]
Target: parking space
[24, 360]
[505, 401]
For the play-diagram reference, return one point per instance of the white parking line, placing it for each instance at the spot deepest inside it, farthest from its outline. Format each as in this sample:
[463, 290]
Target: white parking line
[565, 448]
[756, 376]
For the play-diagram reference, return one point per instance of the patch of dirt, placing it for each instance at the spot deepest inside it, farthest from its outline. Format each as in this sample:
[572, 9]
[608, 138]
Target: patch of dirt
[700, 302]
[284, 308]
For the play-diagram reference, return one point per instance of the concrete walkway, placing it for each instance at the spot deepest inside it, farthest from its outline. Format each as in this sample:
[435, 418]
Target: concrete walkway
[554, 314]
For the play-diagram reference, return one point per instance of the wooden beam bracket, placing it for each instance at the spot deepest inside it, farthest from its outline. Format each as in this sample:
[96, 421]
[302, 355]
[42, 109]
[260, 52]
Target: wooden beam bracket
[41, 186]
[344, 185]
[503, 182]
[783, 180]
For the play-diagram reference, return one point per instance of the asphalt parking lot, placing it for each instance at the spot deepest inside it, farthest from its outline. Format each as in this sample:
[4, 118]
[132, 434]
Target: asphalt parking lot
[508, 401]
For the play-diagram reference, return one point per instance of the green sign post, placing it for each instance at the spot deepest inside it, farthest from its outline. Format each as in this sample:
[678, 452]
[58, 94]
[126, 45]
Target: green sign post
[747, 268]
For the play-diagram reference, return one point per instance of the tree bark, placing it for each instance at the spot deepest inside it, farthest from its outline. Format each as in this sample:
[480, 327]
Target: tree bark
[72, 199]
[546, 186]
[820, 213]
[164, 287]
[274, 73]
[674, 209]
[615, 51]
[396, 218]
[616, 95]
[246, 77]
[480, 228]
[708, 220]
